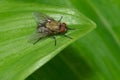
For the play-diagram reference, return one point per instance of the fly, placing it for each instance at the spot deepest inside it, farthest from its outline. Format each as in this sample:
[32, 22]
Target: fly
[47, 26]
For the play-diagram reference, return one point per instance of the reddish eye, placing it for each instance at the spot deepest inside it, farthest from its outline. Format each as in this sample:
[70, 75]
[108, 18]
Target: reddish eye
[63, 28]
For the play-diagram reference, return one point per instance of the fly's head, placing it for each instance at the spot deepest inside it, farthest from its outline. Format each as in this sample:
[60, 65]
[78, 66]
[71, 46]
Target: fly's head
[63, 28]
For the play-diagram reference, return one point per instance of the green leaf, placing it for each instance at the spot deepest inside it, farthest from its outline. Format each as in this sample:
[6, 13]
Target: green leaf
[18, 58]
[96, 56]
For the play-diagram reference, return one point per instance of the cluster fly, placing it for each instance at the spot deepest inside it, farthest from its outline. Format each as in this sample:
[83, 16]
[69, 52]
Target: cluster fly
[47, 26]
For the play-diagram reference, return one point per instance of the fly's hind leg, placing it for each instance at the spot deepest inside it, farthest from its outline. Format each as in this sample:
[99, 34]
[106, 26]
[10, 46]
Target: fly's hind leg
[36, 41]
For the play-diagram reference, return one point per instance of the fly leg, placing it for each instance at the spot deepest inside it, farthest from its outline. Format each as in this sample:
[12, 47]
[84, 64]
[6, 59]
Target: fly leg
[67, 36]
[54, 39]
[36, 41]
[70, 28]
[60, 19]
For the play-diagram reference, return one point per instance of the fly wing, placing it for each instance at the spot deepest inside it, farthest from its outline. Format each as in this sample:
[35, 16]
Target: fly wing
[36, 37]
[41, 18]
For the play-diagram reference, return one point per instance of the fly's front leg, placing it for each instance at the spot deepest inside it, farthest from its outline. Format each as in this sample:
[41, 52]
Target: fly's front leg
[67, 36]
[60, 19]
[70, 28]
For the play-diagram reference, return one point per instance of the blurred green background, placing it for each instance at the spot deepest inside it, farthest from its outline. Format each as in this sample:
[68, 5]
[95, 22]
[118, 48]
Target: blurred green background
[95, 56]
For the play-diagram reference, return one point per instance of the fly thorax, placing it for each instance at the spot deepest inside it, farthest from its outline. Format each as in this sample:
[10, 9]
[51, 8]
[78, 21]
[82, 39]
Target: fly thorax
[53, 25]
